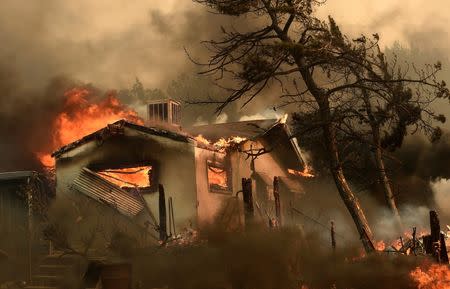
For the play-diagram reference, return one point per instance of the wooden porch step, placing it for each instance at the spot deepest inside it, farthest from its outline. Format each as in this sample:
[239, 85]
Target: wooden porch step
[57, 270]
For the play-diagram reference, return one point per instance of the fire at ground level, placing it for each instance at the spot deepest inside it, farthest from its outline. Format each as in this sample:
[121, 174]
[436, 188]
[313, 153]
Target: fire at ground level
[255, 253]
[130, 205]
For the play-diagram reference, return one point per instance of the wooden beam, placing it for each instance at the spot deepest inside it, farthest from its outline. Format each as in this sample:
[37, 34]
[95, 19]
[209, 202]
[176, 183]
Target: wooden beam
[248, 200]
[162, 214]
[276, 195]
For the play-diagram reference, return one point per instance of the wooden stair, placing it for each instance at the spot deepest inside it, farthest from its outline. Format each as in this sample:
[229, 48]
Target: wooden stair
[55, 271]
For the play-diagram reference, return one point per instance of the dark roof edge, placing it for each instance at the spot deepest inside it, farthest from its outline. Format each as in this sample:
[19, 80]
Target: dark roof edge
[16, 175]
[121, 123]
[275, 121]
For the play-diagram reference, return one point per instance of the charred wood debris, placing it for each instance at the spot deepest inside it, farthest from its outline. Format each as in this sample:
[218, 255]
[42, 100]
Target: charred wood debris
[432, 245]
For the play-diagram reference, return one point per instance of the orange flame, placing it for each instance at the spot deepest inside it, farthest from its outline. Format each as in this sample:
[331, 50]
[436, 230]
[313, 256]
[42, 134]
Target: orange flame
[82, 115]
[434, 277]
[307, 172]
[397, 243]
[217, 177]
[222, 144]
[380, 246]
[128, 177]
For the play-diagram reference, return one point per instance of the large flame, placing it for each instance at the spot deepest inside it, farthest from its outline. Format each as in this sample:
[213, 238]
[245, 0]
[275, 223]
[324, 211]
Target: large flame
[435, 276]
[83, 114]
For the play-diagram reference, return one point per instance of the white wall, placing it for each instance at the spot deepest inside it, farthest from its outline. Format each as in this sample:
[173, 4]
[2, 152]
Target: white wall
[176, 168]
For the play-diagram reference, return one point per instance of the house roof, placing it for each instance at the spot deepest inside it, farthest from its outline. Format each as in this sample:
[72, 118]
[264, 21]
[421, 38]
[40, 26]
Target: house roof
[247, 129]
[274, 132]
[116, 128]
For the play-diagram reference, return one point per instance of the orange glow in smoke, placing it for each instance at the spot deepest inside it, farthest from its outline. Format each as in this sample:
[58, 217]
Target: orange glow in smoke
[128, 177]
[307, 172]
[435, 276]
[82, 115]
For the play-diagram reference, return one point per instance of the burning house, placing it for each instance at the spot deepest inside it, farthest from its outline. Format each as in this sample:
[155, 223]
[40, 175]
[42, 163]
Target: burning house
[201, 169]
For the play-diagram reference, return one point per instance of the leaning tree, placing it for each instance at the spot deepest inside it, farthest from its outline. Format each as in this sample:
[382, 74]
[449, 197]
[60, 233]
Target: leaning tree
[312, 62]
[382, 113]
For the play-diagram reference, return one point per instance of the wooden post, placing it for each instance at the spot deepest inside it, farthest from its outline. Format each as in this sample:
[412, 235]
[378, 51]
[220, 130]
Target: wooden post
[162, 214]
[434, 226]
[439, 249]
[172, 216]
[413, 247]
[443, 250]
[30, 228]
[333, 237]
[276, 195]
[248, 200]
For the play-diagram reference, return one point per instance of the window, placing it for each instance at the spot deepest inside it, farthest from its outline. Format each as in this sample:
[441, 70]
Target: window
[218, 177]
[130, 178]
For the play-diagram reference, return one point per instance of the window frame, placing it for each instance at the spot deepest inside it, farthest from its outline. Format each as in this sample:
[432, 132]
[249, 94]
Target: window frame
[227, 170]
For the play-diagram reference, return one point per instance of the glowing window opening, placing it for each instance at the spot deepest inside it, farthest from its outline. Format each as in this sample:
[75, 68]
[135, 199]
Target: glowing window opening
[218, 177]
[129, 178]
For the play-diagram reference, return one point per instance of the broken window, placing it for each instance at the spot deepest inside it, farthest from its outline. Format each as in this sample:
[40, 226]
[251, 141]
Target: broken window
[218, 177]
[130, 178]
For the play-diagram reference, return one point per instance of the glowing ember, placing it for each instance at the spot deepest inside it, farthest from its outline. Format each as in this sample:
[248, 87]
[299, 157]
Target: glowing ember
[434, 277]
[380, 246]
[129, 177]
[202, 140]
[307, 172]
[82, 115]
[217, 177]
[222, 144]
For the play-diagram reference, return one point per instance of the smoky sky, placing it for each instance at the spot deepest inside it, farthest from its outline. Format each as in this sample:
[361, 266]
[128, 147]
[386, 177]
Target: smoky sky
[109, 43]
[48, 45]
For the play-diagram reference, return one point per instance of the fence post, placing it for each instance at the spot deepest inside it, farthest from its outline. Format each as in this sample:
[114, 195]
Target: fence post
[248, 201]
[162, 214]
[276, 195]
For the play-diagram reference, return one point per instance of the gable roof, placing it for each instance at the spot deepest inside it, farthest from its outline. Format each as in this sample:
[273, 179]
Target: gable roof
[272, 131]
[117, 128]
[247, 129]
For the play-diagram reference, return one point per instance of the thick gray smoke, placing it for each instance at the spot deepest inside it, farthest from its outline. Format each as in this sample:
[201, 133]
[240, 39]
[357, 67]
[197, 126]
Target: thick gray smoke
[52, 45]
[48, 47]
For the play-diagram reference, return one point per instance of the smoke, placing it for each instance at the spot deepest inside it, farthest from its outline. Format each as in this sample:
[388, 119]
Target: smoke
[262, 259]
[25, 118]
[266, 114]
[51, 46]
[441, 190]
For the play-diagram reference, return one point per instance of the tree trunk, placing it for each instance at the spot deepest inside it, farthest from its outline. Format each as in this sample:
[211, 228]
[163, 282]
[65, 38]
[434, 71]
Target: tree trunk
[381, 169]
[350, 200]
[329, 133]
[384, 180]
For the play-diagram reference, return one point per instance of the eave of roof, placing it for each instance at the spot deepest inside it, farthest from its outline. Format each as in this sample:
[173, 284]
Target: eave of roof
[18, 175]
[248, 129]
[176, 136]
